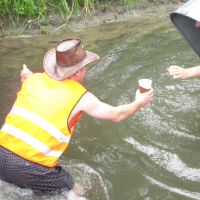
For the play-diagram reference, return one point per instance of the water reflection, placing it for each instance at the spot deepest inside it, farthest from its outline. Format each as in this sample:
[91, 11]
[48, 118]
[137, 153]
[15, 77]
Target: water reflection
[152, 155]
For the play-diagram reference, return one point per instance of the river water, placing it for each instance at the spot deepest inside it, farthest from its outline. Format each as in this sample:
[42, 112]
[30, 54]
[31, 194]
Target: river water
[153, 155]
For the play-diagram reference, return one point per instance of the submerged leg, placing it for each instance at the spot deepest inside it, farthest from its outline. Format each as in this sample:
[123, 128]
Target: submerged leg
[78, 189]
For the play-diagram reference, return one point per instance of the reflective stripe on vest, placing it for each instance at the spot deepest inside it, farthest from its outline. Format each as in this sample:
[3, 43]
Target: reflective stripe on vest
[30, 140]
[40, 122]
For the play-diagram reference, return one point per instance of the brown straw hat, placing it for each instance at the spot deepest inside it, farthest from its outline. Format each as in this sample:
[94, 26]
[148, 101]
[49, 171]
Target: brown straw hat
[67, 58]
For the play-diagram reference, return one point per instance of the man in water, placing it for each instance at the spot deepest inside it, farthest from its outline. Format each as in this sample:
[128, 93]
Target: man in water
[39, 126]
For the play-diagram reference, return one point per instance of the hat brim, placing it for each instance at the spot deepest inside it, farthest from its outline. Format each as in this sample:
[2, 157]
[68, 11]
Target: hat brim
[60, 73]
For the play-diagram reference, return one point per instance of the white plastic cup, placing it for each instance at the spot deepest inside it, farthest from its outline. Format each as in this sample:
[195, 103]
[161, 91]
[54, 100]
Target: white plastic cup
[144, 85]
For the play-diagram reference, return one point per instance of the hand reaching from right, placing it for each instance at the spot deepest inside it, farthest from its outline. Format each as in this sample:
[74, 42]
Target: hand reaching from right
[178, 72]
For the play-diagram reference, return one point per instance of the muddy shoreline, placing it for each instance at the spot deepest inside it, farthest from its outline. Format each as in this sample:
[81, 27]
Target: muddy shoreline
[100, 16]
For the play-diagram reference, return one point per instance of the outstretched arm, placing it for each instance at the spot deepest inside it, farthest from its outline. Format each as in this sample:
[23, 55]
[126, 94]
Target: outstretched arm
[95, 108]
[25, 73]
[183, 73]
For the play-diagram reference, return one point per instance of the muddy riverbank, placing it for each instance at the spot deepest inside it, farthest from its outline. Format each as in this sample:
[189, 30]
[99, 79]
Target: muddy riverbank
[101, 14]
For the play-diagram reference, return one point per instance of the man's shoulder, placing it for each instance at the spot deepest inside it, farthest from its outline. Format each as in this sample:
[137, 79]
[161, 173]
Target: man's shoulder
[88, 98]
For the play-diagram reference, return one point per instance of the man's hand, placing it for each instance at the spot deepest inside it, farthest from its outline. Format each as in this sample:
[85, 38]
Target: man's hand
[144, 98]
[25, 73]
[178, 72]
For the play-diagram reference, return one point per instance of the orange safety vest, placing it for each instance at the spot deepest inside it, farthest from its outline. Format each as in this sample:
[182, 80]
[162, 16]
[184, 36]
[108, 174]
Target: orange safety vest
[37, 127]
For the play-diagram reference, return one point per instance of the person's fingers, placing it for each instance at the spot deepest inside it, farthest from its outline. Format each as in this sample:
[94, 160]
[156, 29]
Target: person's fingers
[138, 91]
[150, 91]
[151, 96]
[173, 67]
[173, 70]
[177, 73]
[177, 76]
[24, 66]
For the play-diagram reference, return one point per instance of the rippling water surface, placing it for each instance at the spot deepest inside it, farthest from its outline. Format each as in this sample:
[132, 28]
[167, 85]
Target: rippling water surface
[153, 155]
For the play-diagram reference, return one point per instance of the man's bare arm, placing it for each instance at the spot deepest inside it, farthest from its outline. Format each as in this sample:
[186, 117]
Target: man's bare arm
[25, 73]
[95, 108]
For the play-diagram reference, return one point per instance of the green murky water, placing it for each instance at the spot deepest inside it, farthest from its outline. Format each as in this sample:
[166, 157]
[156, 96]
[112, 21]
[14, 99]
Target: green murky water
[153, 155]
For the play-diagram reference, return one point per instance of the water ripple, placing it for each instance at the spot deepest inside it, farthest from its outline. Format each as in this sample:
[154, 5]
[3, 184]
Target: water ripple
[169, 161]
[193, 195]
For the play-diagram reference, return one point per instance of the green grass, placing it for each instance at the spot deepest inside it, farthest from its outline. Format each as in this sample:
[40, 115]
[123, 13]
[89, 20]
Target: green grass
[12, 11]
